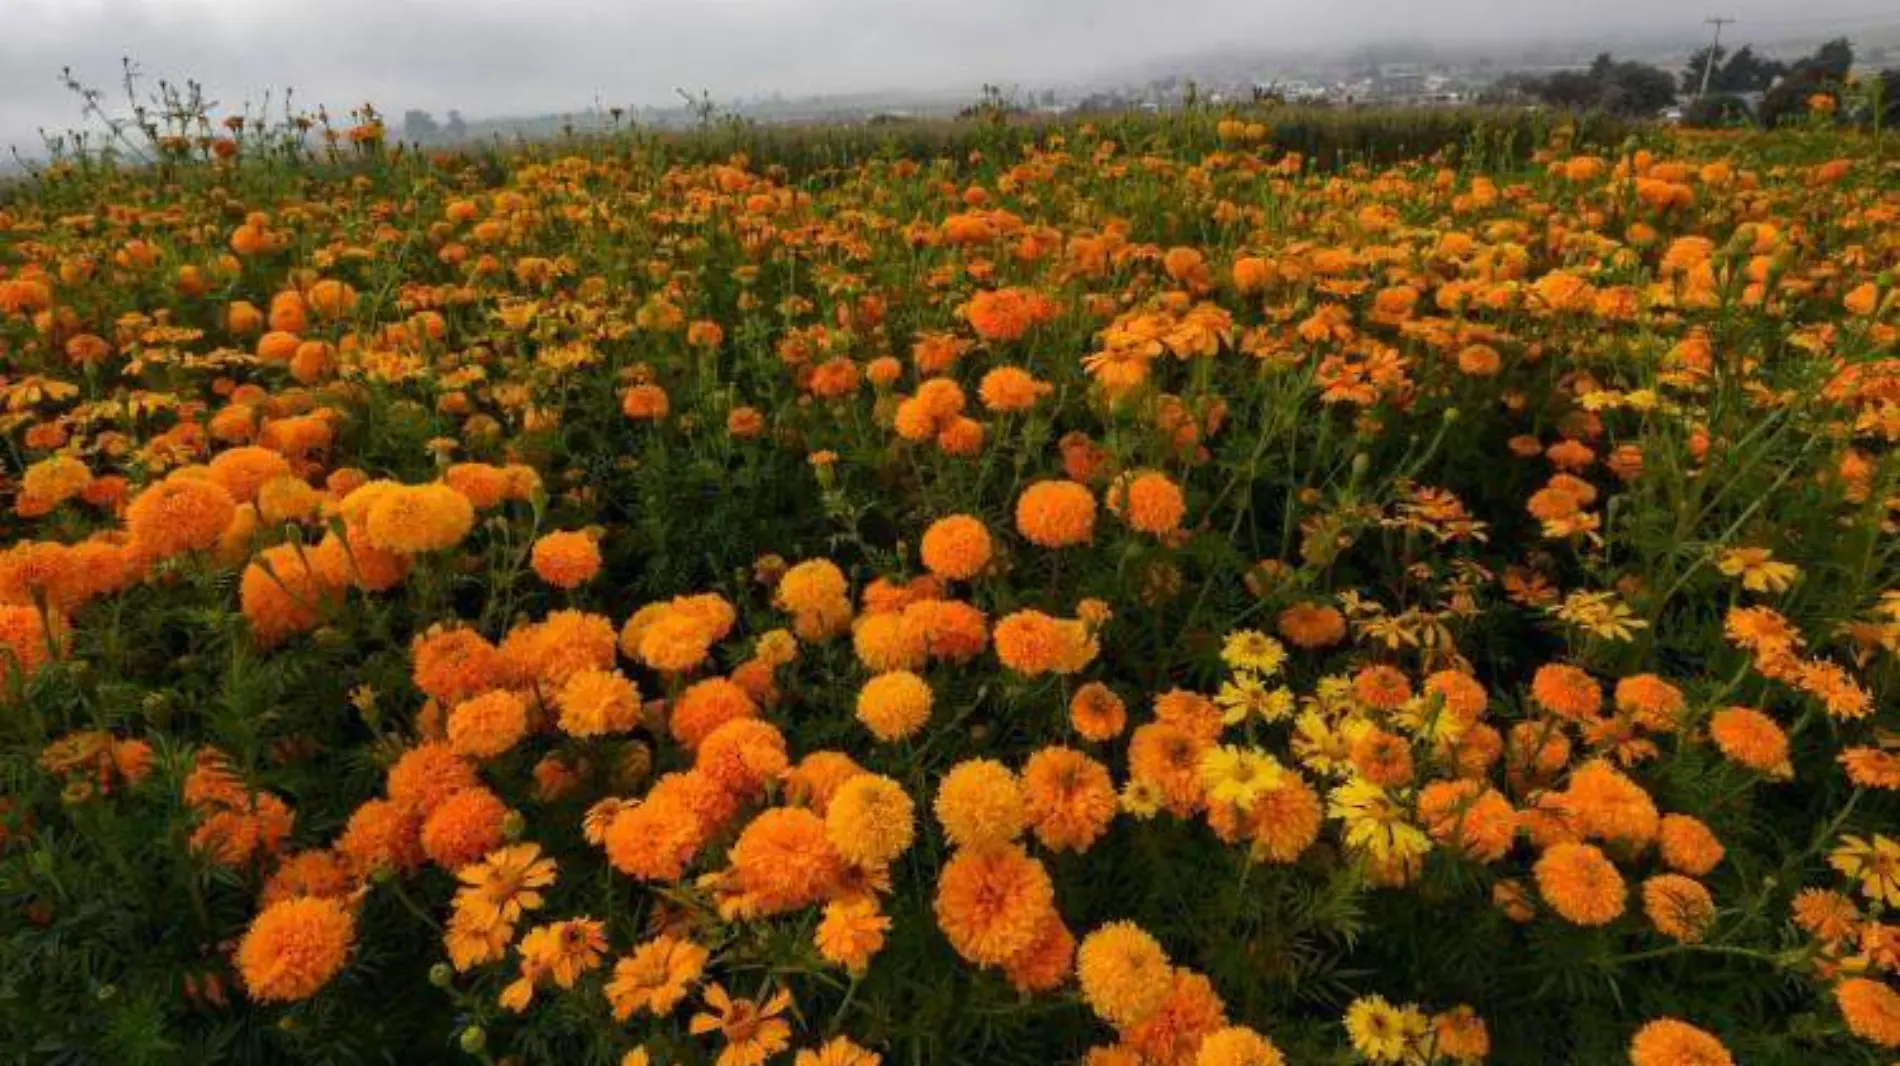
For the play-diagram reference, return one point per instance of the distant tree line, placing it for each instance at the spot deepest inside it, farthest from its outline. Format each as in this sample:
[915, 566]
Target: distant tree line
[422, 127]
[1744, 86]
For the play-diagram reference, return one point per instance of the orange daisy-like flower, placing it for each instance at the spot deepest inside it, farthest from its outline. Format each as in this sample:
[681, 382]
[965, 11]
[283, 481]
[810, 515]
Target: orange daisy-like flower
[752, 1032]
[655, 977]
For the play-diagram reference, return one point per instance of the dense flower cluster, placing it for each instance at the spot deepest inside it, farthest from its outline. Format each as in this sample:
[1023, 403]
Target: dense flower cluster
[1138, 605]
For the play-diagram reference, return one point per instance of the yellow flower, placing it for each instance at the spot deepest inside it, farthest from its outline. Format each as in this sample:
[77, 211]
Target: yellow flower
[1250, 649]
[1382, 1032]
[1246, 696]
[1375, 823]
[1239, 776]
[1874, 863]
[1758, 569]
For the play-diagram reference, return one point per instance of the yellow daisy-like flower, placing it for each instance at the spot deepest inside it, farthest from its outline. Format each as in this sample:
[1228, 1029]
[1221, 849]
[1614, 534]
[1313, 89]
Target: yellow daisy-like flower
[1874, 863]
[1758, 568]
[1382, 1032]
[1239, 775]
[1250, 649]
[1247, 696]
[1141, 799]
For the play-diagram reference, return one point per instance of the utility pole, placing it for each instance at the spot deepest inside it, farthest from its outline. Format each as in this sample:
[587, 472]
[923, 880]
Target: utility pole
[1708, 64]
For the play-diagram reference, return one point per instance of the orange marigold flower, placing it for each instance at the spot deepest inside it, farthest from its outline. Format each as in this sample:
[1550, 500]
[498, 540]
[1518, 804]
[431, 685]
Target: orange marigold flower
[320, 872]
[595, 703]
[452, 665]
[1461, 1035]
[414, 519]
[782, 860]
[566, 560]
[1069, 798]
[1238, 1045]
[992, 902]
[1605, 804]
[1032, 644]
[1168, 758]
[381, 835]
[244, 470]
[463, 828]
[1190, 1011]
[485, 486]
[1668, 1042]
[1125, 975]
[1312, 625]
[1048, 960]
[1679, 907]
[488, 725]
[1566, 692]
[178, 515]
[851, 932]
[705, 706]
[1688, 845]
[894, 705]
[1464, 698]
[1010, 388]
[1096, 713]
[644, 403]
[1383, 758]
[948, 629]
[1056, 514]
[981, 802]
[818, 776]
[743, 756]
[1826, 915]
[283, 593]
[1149, 502]
[884, 643]
[1383, 688]
[428, 774]
[1655, 704]
[1467, 816]
[1580, 884]
[870, 820]
[956, 548]
[1004, 315]
[655, 839]
[1872, 1010]
[294, 947]
[1751, 738]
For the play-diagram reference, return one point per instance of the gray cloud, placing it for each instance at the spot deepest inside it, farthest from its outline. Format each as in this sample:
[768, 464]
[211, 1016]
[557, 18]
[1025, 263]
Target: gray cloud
[492, 57]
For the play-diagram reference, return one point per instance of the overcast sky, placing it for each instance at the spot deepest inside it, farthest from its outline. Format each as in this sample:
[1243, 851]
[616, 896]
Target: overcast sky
[490, 57]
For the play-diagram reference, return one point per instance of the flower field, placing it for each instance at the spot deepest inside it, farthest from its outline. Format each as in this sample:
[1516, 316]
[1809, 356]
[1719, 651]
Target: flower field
[1132, 595]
